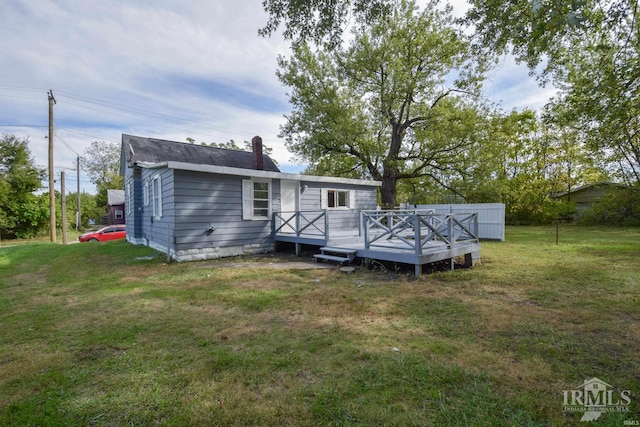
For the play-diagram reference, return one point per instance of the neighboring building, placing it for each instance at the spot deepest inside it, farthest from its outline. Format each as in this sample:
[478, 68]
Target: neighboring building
[200, 202]
[116, 206]
[582, 197]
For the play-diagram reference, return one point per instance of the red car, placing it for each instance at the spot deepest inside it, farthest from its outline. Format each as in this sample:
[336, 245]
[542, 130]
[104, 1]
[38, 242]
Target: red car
[112, 232]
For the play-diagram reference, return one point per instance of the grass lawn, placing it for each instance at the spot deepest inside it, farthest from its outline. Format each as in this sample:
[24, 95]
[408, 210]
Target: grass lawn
[91, 335]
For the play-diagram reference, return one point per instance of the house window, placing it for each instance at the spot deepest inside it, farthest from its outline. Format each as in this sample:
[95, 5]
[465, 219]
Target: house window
[260, 199]
[156, 196]
[337, 199]
[256, 199]
[119, 214]
[129, 197]
[145, 192]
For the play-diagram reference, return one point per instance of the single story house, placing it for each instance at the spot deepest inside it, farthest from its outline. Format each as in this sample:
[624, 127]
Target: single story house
[583, 196]
[115, 205]
[199, 202]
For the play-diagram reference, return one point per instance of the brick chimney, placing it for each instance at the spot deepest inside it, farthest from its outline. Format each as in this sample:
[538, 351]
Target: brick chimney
[256, 148]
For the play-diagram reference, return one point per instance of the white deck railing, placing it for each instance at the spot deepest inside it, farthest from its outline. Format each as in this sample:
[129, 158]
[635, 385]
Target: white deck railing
[412, 230]
[308, 223]
[415, 230]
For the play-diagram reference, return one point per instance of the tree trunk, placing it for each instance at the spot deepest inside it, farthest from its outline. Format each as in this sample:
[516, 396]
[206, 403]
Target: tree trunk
[388, 191]
[390, 165]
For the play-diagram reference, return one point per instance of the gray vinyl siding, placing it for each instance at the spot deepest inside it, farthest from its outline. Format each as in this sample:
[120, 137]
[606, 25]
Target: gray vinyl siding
[193, 202]
[133, 217]
[340, 221]
[137, 201]
[205, 200]
[159, 230]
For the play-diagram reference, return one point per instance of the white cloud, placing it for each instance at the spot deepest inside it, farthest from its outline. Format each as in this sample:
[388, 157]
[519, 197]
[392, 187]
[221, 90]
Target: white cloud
[164, 69]
[128, 67]
[510, 85]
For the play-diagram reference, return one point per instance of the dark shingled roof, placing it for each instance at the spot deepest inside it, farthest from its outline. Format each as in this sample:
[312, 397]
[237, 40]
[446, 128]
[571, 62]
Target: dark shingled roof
[115, 197]
[140, 149]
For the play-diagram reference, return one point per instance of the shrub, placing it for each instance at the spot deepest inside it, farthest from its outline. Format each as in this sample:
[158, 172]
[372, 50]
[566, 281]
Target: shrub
[544, 212]
[619, 207]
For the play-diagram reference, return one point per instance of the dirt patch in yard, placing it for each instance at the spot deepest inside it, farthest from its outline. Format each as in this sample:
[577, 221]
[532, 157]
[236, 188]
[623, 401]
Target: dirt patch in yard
[272, 261]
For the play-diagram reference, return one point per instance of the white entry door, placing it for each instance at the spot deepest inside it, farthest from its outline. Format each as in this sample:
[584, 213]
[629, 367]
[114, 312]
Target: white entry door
[289, 202]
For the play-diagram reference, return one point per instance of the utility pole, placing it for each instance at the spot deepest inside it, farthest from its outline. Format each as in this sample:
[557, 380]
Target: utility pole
[63, 206]
[52, 196]
[78, 212]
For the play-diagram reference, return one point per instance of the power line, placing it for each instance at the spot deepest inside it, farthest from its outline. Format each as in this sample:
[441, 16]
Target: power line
[24, 126]
[197, 128]
[182, 121]
[117, 106]
[18, 96]
[61, 139]
[172, 117]
[86, 134]
[31, 89]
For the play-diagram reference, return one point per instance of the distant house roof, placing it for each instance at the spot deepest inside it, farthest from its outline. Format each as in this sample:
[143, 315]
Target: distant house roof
[587, 187]
[137, 149]
[115, 197]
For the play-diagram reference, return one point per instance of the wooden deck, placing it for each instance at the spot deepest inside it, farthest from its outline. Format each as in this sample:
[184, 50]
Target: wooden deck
[410, 237]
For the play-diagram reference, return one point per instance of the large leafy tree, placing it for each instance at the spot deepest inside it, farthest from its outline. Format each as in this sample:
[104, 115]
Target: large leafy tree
[101, 161]
[21, 213]
[590, 49]
[604, 100]
[397, 102]
[320, 21]
[90, 210]
[534, 30]
[522, 162]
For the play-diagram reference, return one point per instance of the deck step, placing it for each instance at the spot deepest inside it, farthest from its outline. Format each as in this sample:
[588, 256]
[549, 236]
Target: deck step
[332, 258]
[334, 250]
[340, 255]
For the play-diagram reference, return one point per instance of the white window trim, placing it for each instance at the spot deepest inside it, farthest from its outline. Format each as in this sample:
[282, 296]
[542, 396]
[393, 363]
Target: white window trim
[118, 216]
[351, 199]
[247, 200]
[157, 213]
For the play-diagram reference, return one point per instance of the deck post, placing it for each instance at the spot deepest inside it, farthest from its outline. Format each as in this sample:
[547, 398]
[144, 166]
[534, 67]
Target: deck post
[418, 270]
[365, 230]
[297, 214]
[475, 226]
[417, 238]
[326, 227]
[273, 223]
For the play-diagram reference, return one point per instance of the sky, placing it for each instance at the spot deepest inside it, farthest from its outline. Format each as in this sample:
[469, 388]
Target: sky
[163, 69]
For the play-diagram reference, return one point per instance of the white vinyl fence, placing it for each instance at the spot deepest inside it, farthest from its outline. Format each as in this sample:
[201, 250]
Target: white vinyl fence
[490, 217]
